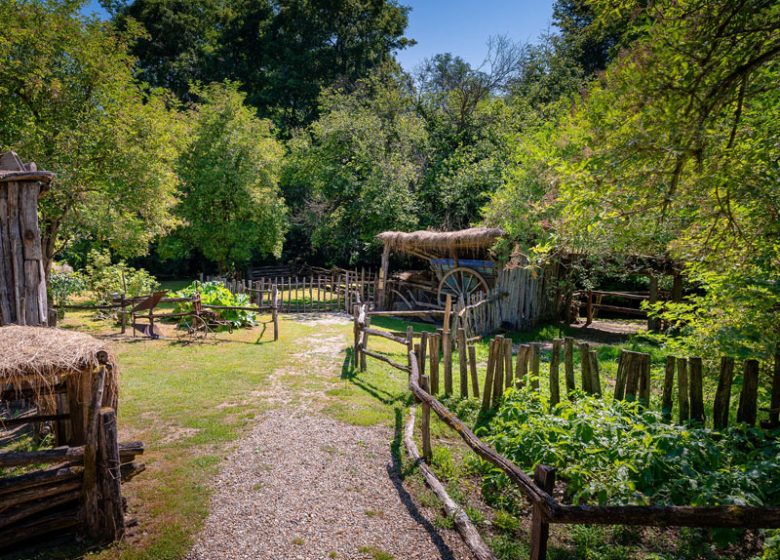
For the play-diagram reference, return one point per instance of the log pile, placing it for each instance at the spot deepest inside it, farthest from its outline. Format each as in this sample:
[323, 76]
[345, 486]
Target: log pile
[22, 269]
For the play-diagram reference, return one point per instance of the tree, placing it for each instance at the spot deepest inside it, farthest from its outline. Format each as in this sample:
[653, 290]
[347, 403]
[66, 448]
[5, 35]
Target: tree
[354, 172]
[283, 52]
[229, 206]
[673, 152]
[69, 101]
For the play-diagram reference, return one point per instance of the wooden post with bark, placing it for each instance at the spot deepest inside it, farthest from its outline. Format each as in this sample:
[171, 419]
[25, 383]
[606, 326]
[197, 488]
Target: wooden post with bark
[23, 294]
[446, 343]
[748, 397]
[666, 399]
[568, 363]
[720, 408]
[434, 341]
[555, 360]
[463, 364]
[544, 477]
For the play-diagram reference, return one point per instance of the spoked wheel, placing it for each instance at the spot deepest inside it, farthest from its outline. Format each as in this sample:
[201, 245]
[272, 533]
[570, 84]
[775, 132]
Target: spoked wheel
[461, 282]
[198, 329]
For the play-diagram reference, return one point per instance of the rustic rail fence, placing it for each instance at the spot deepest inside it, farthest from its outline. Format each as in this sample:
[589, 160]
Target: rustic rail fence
[82, 491]
[633, 382]
[322, 290]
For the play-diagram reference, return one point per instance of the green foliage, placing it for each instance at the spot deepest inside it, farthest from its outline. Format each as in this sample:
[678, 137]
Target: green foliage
[105, 279]
[353, 173]
[670, 153]
[284, 52]
[64, 283]
[69, 101]
[613, 452]
[229, 201]
[215, 293]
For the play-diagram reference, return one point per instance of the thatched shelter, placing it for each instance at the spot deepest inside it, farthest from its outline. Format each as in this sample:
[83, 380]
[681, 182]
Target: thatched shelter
[54, 369]
[431, 244]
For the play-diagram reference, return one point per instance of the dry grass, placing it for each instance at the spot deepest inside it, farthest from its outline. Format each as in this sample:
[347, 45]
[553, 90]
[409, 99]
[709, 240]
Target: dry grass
[441, 241]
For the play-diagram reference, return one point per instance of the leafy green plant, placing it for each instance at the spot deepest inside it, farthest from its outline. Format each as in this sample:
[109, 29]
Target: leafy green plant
[215, 293]
[62, 285]
[105, 279]
[610, 451]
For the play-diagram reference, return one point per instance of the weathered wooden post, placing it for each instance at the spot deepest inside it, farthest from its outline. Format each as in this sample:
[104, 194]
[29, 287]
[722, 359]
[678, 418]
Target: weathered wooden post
[498, 371]
[446, 343]
[23, 297]
[682, 389]
[275, 311]
[555, 386]
[696, 390]
[463, 363]
[666, 399]
[720, 408]
[491, 364]
[434, 342]
[748, 397]
[568, 363]
[356, 336]
[544, 477]
[473, 370]
[425, 424]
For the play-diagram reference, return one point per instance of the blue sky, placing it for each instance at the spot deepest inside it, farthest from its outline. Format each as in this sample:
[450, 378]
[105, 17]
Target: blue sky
[461, 27]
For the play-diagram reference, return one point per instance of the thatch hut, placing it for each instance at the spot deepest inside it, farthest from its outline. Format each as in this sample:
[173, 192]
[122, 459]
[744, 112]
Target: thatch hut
[53, 370]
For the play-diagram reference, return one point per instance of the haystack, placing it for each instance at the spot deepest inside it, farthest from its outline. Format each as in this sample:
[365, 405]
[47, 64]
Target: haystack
[40, 363]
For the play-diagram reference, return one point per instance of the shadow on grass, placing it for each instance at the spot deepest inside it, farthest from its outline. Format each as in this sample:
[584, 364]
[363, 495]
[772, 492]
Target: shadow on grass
[351, 374]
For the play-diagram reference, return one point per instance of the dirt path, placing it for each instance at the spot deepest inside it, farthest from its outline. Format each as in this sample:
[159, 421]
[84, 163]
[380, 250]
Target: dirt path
[305, 486]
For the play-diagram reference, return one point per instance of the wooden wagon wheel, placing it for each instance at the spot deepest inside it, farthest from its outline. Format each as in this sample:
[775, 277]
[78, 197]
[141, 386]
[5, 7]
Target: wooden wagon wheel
[461, 282]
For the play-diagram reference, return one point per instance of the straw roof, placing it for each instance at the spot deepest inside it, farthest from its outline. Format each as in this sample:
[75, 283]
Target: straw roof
[38, 356]
[436, 241]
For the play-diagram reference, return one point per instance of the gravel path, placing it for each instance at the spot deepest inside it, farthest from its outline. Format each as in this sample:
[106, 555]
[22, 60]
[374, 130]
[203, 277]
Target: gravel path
[305, 486]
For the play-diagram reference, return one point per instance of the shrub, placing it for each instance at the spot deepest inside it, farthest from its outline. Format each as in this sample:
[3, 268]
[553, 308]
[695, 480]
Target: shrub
[105, 280]
[63, 284]
[214, 293]
[614, 452]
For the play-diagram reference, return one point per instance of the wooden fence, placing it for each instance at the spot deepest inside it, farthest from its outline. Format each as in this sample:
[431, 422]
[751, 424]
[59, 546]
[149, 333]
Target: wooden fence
[633, 382]
[83, 490]
[321, 291]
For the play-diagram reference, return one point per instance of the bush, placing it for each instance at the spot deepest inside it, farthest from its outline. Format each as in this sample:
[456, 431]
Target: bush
[613, 452]
[63, 284]
[105, 280]
[214, 293]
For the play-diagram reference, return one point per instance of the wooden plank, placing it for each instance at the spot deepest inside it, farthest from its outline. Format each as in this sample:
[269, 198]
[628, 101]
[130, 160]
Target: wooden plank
[91, 491]
[112, 518]
[7, 310]
[16, 256]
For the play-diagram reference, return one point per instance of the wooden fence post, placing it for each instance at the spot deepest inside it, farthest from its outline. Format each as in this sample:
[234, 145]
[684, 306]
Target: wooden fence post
[473, 371]
[585, 367]
[555, 387]
[633, 364]
[774, 402]
[682, 389]
[91, 489]
[666, 399]
[364, 337]
[425, 423]
[595, 381]
[423, 352]
[491, 364]
[644, 380]
[433, 344]
[544, 477]
[446, 342]
[521, 371]
[507, 363]
[748, 397]
[409, 342]
[720, 408]
[568, 364]
[498, 372]
[463, 363]
[356, 335]
[535, 358]
[696, 390]
[109, 478]
[275, 311]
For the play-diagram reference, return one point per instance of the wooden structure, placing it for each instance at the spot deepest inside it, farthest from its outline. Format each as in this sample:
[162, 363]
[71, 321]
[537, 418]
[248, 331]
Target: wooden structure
[65, 382]
[23, 298]
[487, 294]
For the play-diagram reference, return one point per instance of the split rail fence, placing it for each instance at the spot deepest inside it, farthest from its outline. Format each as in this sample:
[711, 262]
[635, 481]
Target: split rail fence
[82, 491]
[633, 382]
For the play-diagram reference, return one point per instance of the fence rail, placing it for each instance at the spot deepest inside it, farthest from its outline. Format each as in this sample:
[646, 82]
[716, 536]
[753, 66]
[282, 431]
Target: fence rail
[633, 382]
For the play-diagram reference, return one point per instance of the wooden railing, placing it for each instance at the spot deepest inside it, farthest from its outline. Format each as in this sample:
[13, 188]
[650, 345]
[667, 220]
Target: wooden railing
[633, 382]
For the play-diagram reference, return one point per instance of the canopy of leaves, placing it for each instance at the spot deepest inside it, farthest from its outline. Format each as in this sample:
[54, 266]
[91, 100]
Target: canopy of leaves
[355, 171]
[229, 205]
[69, 102]
[283, 52]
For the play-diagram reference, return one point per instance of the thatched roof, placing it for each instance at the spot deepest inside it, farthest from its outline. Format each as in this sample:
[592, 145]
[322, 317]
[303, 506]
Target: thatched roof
[38, 356]
[438, 241]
